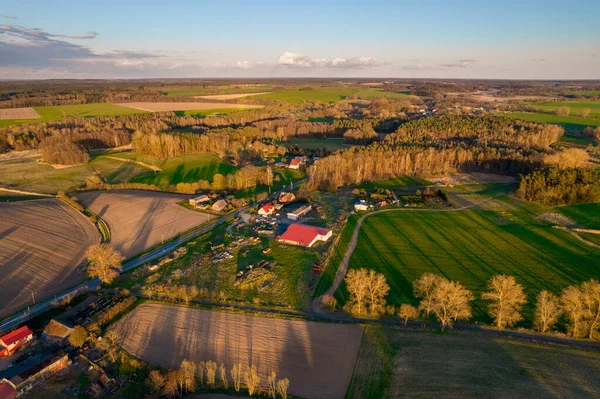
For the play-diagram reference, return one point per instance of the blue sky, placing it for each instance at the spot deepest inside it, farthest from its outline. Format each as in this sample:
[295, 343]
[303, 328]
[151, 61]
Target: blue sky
[442, 39]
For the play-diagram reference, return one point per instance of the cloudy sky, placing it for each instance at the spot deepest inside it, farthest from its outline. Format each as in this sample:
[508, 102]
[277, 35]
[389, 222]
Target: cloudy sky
[525, 39]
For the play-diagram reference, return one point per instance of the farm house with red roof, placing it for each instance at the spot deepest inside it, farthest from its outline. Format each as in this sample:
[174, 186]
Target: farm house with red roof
[304, 235]
[295, 164]
[266, 209]
[14, 339]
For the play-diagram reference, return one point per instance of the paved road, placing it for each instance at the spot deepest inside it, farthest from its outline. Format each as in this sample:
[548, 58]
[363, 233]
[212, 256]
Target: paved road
[89, 285]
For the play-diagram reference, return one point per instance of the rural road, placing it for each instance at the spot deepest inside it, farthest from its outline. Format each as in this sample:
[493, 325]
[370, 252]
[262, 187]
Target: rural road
[343, 267]
[27, 314]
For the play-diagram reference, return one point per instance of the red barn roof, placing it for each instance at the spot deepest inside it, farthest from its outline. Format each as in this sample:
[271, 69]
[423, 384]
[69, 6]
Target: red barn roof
[7, 391]
[303, 234]
[268, 208]
[15, 336]
[295, 162]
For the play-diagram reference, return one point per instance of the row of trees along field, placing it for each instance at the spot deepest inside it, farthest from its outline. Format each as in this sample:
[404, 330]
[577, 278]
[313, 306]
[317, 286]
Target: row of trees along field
[440, 145]
[207, 375]
[449, 301]
[554, 186]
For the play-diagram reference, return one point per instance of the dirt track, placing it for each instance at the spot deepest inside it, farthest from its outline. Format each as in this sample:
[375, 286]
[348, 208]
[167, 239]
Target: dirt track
[18, 113]
[139, 220]
[42, 243]
[168, 106]
[318, 358]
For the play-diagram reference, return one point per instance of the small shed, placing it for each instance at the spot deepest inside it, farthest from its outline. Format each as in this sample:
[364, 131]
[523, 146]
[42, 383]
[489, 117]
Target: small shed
[199, 200]
[57, 332]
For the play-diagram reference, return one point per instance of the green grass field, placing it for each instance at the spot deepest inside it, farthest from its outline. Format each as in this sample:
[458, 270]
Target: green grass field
[315, 144]
[587, 215]
[115, 171]
[54, 113]
[568, 122]
[213, 90]
[325, 94]
[186, 169]
[471, 246]
[576, 107]
[396, 182]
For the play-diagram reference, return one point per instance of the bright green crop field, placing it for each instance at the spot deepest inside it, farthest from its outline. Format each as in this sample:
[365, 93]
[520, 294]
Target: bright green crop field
[587, 215]
[211, 90]
[568, 122]
[576, 107]
[325, 94]
[186, 169]
[53, 113]
[471, 246]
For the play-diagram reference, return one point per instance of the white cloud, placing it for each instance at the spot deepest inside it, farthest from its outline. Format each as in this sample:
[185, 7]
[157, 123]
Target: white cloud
[297, 60]
[462, 63]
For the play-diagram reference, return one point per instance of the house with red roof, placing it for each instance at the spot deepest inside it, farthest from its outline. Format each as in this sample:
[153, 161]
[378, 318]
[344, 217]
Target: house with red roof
[304, 235]
[295, 164]
[266, 210]
[7, 391]
[10, 342]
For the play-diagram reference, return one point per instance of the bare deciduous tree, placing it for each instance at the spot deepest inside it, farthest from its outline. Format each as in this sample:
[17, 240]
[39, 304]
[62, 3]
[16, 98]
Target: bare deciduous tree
[282, 387]
[211, 373]
[272, 384]
[156, 380]
[170, 387]
[423, 289]
[506, 298]
[448, 300]
[377, 289]
[591, 304]
[105, 262]
[252, 379]
[236, 376]
[571, 300]
[407, 312]
[563, 111]
[356, 281]
[223, 375]
[586, 112]
[547, 311]
[188, 369]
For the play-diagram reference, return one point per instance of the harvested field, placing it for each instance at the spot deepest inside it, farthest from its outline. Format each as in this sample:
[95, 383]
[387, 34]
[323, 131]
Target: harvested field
[232, 96]
[139, 220]
[42, 243]
[18, 113]
[474, 365]
[165, 107]
[316, 357]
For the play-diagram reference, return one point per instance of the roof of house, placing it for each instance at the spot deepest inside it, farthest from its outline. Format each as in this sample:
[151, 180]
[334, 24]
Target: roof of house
[7, 391]
[15, 336]
[57, 329]
[302, 233]
[267, 208]
[203, 197]
[295, 162]
[220, 204]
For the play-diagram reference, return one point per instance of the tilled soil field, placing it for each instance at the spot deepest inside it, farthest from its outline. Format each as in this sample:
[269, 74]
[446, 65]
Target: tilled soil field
[18, 113]
[168, 106]
[139, 220]
[317, 358]
[42, 243]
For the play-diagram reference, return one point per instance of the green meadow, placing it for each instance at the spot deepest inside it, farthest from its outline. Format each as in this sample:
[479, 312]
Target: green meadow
[211, 90]
[576, 107]
[333, 144]
[185, 169]
[586, 215]
[471, 246]
[568, 122]
[326, 94]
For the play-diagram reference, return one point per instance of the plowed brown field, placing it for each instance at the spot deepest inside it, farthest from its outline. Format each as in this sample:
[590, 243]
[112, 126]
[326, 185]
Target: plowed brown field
[18, 113]
[318, 358]
[139, 220]
[168, 106]
[42, 243]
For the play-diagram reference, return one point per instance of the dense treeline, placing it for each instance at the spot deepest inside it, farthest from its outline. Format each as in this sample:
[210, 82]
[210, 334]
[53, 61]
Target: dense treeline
[476, 130]
[554, 186]
[439, 146]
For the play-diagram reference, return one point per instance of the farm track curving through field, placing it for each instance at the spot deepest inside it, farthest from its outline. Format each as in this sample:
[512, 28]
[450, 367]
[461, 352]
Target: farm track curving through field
[343, 267]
